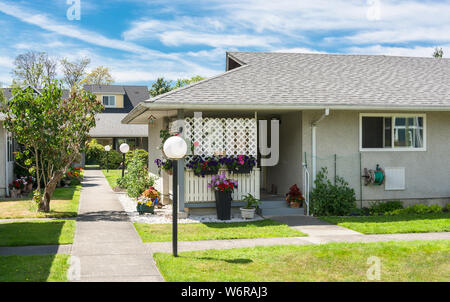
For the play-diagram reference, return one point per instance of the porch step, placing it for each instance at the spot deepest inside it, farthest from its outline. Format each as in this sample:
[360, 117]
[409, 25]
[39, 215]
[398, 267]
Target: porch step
[278, 208]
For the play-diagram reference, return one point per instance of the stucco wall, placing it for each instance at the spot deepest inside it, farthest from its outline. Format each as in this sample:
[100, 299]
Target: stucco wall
[289, 168]
[427, 172]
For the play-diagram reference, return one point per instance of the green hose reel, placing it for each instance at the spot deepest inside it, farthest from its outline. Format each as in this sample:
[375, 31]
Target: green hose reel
[375, 177]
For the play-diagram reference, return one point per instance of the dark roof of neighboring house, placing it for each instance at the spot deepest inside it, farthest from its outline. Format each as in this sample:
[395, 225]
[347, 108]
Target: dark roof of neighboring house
[133, 95]
[300, 79]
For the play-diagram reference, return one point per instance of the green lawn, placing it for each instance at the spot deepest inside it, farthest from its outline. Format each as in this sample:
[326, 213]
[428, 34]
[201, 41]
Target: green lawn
[37, 232]
[400, 261]
[64, 203]
[408, 223]
[211, 231]
[112, 176]
[34, 268]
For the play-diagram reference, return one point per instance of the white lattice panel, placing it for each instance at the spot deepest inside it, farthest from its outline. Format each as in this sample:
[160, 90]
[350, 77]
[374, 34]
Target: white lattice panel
[227, 136]
[196, 188]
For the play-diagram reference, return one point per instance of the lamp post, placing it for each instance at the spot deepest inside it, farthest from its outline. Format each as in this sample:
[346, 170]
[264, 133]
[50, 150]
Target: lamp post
[175, 148]
[107, 149]
[124, 148]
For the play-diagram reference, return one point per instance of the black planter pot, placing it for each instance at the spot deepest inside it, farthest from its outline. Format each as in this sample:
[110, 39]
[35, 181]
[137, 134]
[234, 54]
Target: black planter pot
[223, 205]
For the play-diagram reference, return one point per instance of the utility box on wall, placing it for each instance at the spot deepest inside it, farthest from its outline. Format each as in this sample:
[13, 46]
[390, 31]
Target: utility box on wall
[395, 178]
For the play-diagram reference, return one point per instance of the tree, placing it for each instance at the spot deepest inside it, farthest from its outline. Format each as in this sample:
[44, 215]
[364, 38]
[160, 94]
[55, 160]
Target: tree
[99, 76]
[34, 68]
[75, 71]
[160, 86]
[53, 131]
[438, 52]
[184, 82]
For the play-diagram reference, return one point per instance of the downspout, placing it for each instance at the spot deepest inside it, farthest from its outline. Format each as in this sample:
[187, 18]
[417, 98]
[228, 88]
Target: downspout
[6, 166]
[314, 144]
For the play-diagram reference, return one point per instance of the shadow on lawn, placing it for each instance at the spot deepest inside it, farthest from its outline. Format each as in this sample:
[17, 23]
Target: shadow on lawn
[232, 261]
[258, 223]
[25, 268]
[30, 233]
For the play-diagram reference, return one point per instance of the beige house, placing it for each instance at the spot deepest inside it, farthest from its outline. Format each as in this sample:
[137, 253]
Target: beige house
[347, 113]
[118, 101]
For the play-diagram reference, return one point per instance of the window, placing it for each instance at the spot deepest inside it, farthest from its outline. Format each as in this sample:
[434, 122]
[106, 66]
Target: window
[109, 100]
[382, 132]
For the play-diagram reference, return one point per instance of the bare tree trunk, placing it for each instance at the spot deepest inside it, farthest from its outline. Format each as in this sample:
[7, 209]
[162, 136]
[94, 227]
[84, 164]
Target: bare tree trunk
[44, 205]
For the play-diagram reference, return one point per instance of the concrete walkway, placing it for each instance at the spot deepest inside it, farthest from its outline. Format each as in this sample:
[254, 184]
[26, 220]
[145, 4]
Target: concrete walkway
[106, 246]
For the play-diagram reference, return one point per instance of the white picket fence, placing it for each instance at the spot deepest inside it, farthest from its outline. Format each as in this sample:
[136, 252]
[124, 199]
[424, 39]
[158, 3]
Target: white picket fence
[196, 188]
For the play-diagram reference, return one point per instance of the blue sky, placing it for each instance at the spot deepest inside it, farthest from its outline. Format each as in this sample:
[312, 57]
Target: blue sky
[142, 40]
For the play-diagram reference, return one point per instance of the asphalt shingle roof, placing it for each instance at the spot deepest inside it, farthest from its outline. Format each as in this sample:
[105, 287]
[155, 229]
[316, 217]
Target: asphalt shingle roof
[322, 79]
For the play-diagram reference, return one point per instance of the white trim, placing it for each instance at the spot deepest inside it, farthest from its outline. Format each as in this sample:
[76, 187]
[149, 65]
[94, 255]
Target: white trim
[393, 115]
[109, 106]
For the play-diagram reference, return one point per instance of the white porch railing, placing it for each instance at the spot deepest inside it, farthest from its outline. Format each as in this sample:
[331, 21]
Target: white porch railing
[196, 188]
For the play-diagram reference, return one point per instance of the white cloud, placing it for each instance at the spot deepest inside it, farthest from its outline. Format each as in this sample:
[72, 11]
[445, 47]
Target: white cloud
[71, 31]
[298, 50]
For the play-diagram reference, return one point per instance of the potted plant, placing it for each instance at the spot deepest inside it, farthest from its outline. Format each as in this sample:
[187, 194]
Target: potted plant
[147, 201]
[165, 165]
[294, 197]
[223, 187]
[248, 212]
[241, 164]
[201, 167]
[30, 181]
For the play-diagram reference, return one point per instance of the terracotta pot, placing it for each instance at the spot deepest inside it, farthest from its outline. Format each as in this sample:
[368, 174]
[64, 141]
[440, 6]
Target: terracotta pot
[29, 187]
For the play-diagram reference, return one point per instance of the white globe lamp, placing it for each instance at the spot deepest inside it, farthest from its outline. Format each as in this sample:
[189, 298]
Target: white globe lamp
[107, 149]
[124, 148]
[175, 147]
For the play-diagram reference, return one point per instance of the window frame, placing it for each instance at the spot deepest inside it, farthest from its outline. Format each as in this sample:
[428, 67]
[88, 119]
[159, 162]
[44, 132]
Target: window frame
[393, 116]
[109, 106]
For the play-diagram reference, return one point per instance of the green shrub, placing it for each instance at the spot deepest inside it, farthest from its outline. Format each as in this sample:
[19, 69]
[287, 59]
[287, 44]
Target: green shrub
[114, 159]
[94, 152]
[447, 208]
[329, 199]
[140, 153]
[417, 209]
[382, 207]
[137, 179]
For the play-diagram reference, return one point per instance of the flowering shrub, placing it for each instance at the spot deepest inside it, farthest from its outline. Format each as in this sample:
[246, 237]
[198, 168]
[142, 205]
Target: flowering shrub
[234, 163]
[222, 184]
[294, 195]
[201, 167]
[18, 184]
[149, 197]
[164, 164]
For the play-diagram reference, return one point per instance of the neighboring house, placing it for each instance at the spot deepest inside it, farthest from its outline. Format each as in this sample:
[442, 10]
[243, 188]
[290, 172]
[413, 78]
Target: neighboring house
[6, 158]
[118, 101]
[343, 112]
